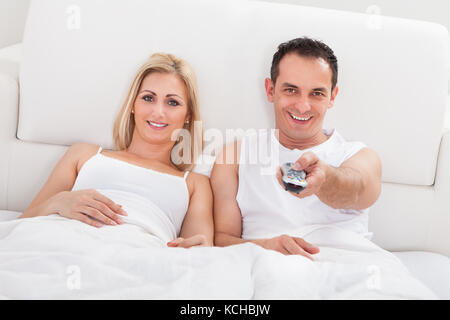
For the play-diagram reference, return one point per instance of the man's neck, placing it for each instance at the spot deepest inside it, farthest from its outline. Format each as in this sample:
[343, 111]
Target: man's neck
[301, 144]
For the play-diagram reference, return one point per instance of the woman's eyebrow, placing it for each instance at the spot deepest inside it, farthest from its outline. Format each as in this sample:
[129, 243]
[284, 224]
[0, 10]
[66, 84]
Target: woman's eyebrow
[149, 91]
[169, 95]
[173, 94]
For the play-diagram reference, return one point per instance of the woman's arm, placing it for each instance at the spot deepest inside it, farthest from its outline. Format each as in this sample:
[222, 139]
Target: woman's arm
[198, 225]
[56, 195]
[61, 179]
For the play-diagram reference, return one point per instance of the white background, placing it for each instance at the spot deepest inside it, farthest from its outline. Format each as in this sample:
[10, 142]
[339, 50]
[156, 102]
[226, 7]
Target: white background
[13, 12]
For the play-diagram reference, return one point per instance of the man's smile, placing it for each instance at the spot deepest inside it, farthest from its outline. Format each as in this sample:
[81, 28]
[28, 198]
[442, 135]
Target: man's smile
[300, 119]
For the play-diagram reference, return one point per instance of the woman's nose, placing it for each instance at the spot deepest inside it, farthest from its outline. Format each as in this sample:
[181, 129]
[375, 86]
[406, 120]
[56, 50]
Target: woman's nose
[158, 109]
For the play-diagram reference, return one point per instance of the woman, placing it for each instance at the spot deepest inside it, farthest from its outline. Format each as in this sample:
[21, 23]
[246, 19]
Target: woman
[161, 102]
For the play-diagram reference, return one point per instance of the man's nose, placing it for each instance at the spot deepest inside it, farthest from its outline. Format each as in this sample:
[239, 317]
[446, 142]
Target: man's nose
[302, 105]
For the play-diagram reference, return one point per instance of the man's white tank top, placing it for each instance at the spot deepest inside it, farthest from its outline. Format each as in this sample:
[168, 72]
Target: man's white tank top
[138, 190]
[267, 209]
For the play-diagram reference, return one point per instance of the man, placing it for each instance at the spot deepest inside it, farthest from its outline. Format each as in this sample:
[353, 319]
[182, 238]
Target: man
[343, 178]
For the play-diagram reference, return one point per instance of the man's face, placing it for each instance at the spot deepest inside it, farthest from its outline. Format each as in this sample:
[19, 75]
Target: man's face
[301, 96]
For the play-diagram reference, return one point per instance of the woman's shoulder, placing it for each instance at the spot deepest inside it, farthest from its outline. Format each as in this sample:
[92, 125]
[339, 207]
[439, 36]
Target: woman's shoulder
[201, 178]
[82, 151]
[197, 181]
[84, 147]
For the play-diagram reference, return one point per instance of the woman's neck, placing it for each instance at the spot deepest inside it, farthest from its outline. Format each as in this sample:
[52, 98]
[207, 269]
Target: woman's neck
[155, 152]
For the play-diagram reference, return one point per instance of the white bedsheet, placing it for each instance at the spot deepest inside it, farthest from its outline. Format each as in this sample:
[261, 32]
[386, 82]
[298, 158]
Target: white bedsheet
[54, 257]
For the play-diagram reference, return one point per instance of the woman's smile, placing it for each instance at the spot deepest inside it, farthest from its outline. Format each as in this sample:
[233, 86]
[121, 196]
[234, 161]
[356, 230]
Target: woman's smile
[156, 125]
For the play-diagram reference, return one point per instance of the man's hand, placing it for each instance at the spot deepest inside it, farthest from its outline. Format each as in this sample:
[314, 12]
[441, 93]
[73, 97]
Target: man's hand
[355, 184]
[288, 245]
[315, 170]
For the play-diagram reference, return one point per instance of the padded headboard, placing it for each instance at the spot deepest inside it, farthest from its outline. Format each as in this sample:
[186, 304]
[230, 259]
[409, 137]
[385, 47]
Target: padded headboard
[79, 61]
[79, 57]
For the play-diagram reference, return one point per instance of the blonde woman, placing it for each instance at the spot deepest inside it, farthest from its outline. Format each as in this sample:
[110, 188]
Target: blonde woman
[107, 188]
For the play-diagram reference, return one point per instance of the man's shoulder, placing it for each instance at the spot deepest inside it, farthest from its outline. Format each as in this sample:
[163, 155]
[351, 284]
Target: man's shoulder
[343, 148]
[229, 154]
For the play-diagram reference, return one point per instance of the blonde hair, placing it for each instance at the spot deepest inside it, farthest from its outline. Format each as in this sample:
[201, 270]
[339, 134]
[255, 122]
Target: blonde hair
[125, 123]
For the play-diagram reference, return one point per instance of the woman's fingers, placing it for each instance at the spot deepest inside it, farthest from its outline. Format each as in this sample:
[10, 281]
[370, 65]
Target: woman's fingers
[292, 247]
[94, 213]
[175, 242]
[105, 210]
[117, 208]
[84, 218]
[308, 247]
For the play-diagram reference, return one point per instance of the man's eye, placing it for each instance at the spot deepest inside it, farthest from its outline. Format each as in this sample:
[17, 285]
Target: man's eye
[147, 98]
[173, 103]
[318, 93]
[290, 90]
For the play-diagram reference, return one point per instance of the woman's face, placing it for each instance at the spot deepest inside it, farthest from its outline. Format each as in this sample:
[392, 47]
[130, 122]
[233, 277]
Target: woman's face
[160, 107]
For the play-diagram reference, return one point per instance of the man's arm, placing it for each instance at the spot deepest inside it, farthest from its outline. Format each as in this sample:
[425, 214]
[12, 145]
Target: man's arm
[224, 182]
[356, 184]
[227, 214]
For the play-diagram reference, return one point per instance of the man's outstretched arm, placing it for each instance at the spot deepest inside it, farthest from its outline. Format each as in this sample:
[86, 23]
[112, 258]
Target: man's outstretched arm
[356, 184]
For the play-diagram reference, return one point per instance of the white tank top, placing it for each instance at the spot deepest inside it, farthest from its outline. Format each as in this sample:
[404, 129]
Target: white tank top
[138, 190]
[267, 209]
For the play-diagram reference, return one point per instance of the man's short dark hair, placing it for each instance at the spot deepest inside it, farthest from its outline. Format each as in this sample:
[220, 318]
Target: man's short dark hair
[305, 47]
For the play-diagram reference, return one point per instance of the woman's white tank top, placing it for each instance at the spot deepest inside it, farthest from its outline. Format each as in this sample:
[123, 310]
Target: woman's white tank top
[134, 186]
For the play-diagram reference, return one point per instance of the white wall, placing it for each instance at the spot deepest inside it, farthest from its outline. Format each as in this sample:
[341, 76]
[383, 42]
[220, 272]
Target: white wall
[13, 12]
[437, 11]
[12, 21]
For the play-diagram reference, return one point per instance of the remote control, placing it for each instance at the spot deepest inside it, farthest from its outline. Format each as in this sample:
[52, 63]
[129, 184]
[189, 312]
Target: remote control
[293, 180]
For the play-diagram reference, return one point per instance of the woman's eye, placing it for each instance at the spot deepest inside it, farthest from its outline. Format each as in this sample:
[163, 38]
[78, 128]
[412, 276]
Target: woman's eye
[147, 98]
[173, 103]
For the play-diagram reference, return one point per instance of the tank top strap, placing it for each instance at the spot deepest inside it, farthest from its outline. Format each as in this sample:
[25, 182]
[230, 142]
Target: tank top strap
[185, 174]
[99, 150]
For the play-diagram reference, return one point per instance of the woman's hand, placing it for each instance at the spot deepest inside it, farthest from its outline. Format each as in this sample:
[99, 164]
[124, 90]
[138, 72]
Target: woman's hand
[87, 205]
[199, 240]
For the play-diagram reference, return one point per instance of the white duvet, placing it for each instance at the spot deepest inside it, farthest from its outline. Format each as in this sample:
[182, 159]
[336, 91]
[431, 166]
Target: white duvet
[57, 258]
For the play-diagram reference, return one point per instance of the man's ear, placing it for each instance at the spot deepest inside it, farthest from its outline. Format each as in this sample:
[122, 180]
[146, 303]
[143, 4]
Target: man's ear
[269, 89]
[334, 93]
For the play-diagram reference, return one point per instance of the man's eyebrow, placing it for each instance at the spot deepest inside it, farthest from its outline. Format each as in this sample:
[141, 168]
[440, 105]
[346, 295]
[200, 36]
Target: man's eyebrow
[290, 85]
[323, 89]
